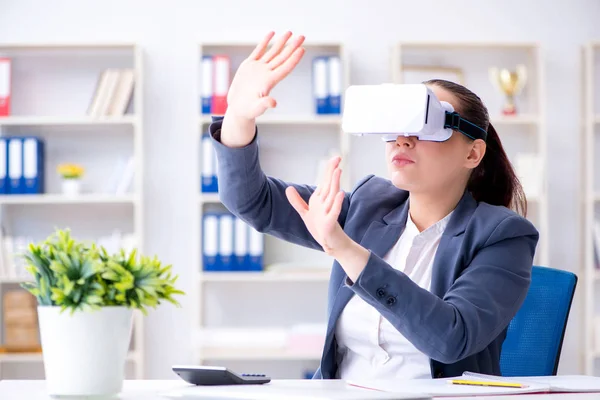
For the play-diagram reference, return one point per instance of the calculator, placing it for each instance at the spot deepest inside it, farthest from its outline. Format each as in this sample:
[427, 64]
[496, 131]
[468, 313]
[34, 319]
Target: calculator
[214, 375]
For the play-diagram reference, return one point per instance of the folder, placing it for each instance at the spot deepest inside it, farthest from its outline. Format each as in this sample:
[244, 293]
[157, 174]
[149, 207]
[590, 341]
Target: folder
[33, 165]
[240, 249]
[209, 182]
[5, 86]
[445, 388]
[225, 252]
[210, 240]
[222, 65]
[319, 81]
[15, 165]
[207, 84]
[4, 183]
[256, 248]
[334, 85]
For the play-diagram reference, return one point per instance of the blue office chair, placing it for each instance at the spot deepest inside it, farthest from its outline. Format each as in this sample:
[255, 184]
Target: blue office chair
[535, 335]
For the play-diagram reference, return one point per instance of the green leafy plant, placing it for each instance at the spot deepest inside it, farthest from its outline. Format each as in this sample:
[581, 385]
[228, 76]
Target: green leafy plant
[79, 276]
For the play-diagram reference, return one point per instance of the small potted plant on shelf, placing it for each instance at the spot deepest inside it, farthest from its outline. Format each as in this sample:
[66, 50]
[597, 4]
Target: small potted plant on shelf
[71, 175]
[86, 298]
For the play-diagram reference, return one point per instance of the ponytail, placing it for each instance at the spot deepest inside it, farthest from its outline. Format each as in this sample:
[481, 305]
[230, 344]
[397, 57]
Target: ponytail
[494, 181]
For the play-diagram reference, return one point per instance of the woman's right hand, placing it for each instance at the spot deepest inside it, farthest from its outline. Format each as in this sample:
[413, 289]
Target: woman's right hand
[249, 93]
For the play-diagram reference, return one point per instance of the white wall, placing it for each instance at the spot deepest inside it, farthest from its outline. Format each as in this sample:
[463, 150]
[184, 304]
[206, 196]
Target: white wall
[169, 35]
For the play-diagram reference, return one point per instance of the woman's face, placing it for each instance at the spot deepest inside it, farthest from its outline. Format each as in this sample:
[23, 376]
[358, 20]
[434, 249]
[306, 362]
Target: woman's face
[425, 166]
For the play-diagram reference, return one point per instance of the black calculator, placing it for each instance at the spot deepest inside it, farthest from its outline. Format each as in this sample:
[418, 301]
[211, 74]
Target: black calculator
[209, 375]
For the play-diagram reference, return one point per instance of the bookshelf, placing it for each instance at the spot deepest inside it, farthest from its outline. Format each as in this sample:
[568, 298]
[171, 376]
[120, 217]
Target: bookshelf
[522, 134]
[53, 87]
[590, 201]
[293, 139]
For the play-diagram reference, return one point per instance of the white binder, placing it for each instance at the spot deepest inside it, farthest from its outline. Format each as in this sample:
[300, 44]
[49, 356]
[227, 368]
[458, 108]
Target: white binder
[241, 245]
[210, 237]
[225, 253]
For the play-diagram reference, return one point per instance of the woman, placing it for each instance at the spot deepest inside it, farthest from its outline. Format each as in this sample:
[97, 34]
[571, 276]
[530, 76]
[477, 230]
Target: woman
[430, 266]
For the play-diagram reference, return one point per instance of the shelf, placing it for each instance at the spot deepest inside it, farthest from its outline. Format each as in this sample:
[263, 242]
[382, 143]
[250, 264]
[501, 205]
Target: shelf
[257, 277]
[469, 45]
[252, 44]
[37, 357]
[334, 120]
[66, 46]
[254, 354]
[61, 199]
[66, 121]
[209, 198]
[11, 281]
[525, 119]
[337, 120]
[20, 357]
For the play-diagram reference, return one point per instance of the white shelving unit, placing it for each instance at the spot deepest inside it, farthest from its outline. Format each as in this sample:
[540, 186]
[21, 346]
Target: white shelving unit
[293, 138]
[52, 86]
[590, 199]
[413, 62]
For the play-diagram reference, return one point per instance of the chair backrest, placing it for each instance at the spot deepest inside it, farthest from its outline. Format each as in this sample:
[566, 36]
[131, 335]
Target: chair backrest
[535, 335]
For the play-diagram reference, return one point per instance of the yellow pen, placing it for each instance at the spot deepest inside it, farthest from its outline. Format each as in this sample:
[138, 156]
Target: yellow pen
[486, 383]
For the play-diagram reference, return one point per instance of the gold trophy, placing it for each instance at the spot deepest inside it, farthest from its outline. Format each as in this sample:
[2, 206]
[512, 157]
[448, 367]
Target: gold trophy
[510, 83]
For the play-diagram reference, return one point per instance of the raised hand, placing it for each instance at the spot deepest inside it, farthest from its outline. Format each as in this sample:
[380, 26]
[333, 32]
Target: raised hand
[249, 93]
[321, 213]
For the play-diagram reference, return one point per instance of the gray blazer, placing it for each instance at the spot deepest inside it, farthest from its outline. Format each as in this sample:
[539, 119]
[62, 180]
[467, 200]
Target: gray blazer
[481, 271]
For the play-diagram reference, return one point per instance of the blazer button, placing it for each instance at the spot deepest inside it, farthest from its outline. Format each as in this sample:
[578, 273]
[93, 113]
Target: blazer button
[380, 292]
[391, 301]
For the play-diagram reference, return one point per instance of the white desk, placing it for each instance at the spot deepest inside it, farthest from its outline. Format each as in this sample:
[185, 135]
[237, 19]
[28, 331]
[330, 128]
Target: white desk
[277, 389]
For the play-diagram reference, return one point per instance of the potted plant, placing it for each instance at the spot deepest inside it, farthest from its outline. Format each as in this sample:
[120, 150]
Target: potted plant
[86, 298]
[71, 175]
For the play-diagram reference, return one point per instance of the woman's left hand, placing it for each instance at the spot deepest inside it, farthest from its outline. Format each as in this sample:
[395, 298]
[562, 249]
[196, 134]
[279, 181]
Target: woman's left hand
[321, 213]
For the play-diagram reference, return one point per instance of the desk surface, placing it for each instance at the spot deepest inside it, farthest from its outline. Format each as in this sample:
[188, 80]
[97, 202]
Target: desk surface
[290, 389]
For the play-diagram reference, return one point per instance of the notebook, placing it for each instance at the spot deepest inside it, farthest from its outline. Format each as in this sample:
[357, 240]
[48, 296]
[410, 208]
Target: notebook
[443, 387]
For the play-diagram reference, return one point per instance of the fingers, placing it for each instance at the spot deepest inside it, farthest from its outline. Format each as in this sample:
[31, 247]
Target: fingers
[288, 65]
[269, 102]
[287, 51]
[264, 104]
[331, 166]
[296, 201]
[334, 189]
[336, 208]
[276, 49]
[260, 49]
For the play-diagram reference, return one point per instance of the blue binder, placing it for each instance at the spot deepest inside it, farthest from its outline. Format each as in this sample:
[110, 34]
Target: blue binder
[4, 183]
[334, 85]
[319, 83]
[207, 84]
[210, 241]
[208, 174]
[15, 165]
[33, 165]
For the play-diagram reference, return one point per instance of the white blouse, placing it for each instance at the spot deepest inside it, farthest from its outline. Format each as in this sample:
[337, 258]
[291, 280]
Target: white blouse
[369, 347]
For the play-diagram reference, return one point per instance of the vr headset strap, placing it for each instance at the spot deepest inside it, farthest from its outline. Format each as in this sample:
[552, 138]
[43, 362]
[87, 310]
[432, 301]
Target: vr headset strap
[469, 129]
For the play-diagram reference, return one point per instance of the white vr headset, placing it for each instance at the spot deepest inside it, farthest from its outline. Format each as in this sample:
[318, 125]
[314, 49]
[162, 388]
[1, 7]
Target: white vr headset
[393, 110]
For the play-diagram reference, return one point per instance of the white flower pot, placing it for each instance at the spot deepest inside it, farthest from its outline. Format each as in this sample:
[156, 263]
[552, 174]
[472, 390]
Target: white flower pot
[85, 353]
[71, 187]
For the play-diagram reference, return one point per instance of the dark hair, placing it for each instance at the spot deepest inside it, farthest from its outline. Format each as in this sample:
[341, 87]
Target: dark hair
[493, 181]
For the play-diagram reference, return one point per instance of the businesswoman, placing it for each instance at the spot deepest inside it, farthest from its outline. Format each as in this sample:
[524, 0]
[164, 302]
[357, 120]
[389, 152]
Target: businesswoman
[430, 265]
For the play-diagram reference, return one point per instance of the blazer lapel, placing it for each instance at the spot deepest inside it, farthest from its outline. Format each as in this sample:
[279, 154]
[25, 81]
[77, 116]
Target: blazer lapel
[446, 256]
[380, 237]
